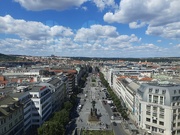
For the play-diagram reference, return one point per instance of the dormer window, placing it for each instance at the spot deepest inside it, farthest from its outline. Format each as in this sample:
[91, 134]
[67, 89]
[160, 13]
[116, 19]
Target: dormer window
[150, 90]
[157, 90]
[163, 91]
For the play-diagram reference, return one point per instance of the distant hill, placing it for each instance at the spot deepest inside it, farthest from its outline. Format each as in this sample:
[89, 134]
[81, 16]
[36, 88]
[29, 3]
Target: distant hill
[4, 57]
[153, 59]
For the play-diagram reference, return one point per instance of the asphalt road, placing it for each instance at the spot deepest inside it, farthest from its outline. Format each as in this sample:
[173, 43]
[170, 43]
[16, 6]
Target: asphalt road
[80, 120]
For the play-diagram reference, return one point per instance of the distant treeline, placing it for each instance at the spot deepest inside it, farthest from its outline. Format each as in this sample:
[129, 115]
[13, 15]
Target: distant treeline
[4, 57]
[156, 59]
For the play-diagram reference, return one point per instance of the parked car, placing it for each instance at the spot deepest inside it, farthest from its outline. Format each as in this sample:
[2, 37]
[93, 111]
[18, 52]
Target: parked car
[112, 117]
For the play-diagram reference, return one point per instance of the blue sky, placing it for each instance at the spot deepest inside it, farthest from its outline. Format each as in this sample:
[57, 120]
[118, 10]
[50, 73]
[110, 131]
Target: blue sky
[90, 28]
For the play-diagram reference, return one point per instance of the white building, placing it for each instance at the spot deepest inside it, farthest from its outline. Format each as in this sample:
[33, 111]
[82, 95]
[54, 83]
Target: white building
[159, 108]
[126, 90]
[42, 105]
[109, 73]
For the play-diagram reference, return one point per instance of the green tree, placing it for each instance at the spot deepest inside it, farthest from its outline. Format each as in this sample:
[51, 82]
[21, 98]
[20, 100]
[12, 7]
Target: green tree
[51, 128]
[62, 117]
[114, 97]
[68, 105]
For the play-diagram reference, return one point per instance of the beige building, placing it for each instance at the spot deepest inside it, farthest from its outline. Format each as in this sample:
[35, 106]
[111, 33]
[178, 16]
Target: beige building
[11, 116]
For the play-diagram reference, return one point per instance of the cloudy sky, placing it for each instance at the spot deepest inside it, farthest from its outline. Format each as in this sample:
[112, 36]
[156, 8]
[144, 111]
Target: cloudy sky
[90, 28]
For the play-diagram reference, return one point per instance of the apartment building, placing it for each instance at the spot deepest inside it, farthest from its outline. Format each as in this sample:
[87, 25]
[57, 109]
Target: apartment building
[70, 74]
[11, 116]
[41, 103]
[126, 89]
[58, 93]
[109, 73]
[22, 95]
[159, 108]
[40, 100]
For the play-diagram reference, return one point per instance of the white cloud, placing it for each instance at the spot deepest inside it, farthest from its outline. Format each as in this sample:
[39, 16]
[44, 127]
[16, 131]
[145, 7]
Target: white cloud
[177, 46]
[35, 38]
[30, 29]
[171, 30]
[95, 32]
[159, 41]
[157, 14]
[84, 8]
[104, 38]
[37, 5]
[102, 4]
[135, 25]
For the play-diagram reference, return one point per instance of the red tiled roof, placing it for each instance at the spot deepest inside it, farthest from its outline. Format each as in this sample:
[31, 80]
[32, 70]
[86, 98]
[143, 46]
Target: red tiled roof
[146, 79]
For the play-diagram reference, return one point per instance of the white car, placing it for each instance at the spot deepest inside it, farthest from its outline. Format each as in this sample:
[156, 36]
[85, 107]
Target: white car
[112, 117]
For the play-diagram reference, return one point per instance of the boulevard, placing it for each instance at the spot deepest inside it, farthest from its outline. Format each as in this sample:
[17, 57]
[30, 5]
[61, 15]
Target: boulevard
[94, 91]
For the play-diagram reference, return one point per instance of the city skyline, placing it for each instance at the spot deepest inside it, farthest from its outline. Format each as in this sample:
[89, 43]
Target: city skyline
[96, 28]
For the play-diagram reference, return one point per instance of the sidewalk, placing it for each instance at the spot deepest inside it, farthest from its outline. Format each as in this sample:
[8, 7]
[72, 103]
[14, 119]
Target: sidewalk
[125, 128]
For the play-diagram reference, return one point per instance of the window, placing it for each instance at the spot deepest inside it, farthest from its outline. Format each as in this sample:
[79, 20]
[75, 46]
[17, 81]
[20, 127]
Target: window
[155, 121]
[155, 99]
[154, 109]
[150, 98]
[155, 114]
[147, 127]
[157, 91]
[174, 117]
[174, 91]
[176, 98]
[161, 100]
[161, 123]
[35, 96]
[35, 114]
[148, 107]
[150, 90]
[174, 111]
[154, 129]
[178, 109]
[161, 130]
[148, 119]
[161, 116]
[148, 113]
[178, 124]
[161, 110]
[163, 91]
[35, 120]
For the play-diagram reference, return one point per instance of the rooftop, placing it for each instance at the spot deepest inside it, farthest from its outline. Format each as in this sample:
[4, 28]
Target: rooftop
[36, 88]
[18, 94]
[54, 81]
[4, 100]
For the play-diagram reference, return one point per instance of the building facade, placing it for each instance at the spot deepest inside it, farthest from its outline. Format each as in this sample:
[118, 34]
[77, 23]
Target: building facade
[41, 104]
[11, 116]
[159, 108]
[22, 95]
